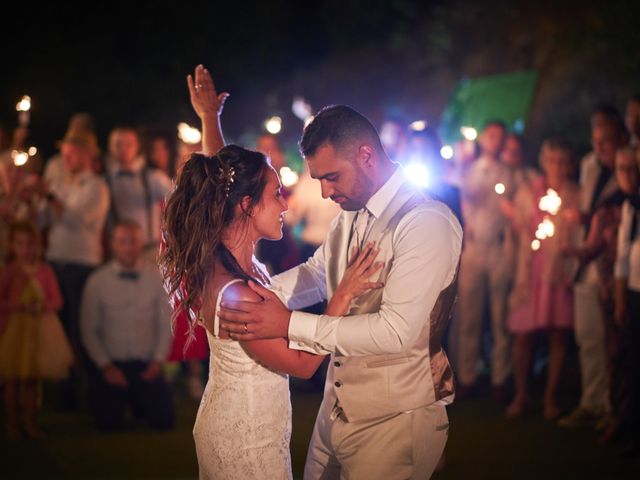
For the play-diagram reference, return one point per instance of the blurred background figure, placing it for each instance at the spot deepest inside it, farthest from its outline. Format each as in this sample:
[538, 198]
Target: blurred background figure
[465, 153]
[597, 183]
[425, 166]
[136, 191]
[160, 152]
[542, 297]
[311, 213]
[513, 155]
[54, 171]
[393, 135]
[126, 332]
[283, 254]
[74, 210]
[484, 275]
[632, 120]
[33, 346]
[269, 144]
[627, 301]
[19, 185]
[4, 138]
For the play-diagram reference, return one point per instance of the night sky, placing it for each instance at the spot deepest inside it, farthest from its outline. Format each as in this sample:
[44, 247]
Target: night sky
[126, 63]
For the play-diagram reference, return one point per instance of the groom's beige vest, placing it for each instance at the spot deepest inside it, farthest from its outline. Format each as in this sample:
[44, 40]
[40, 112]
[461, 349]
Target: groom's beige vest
[379, 385]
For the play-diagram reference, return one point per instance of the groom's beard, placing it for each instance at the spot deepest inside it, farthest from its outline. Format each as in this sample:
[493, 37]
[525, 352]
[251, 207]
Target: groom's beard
[361, 193]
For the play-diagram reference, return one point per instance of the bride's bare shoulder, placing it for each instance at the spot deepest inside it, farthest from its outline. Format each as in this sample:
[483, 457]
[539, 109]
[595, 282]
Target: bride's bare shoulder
[240, 292]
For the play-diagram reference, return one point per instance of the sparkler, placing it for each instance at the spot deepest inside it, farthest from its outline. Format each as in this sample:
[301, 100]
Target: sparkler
[19, 158]
[551, 202]
[23, 107]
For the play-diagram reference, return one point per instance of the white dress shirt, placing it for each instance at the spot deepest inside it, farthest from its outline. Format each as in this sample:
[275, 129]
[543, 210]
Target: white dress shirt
[426, 250]
[484, 221]
[628, 253]
[125, 319]
[590, 168]
[76, 237]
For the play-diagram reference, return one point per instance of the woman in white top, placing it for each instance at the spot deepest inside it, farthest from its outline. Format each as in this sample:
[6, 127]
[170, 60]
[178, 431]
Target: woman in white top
[222, 206]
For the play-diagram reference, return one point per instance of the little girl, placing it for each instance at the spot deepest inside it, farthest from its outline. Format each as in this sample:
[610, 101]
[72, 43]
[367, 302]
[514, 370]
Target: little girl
[33, 345]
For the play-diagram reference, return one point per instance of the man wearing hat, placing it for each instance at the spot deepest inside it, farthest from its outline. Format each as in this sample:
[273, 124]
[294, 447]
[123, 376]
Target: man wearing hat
[75, 209]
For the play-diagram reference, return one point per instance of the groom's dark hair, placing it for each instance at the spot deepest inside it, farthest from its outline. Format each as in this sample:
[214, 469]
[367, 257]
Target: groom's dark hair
[338, 126]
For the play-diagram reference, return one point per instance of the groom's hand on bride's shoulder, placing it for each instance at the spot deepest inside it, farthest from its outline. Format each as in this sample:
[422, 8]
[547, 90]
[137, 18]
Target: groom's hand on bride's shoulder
[268, 318]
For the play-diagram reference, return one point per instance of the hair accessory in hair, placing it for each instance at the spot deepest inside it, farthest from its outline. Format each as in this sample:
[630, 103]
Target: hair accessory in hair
[228, 173]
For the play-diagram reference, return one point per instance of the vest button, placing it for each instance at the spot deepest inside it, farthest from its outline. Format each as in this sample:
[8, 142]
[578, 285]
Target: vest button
[336, 364]
[338, 384]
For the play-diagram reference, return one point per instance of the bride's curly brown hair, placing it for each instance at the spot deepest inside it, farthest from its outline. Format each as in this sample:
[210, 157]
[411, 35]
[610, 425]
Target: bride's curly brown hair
[196, 214]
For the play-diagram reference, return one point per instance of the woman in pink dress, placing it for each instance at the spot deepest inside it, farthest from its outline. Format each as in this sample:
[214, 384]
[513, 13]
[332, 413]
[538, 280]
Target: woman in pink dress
[542, 297]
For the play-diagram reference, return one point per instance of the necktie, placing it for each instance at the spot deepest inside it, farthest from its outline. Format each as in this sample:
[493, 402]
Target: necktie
[358, 232]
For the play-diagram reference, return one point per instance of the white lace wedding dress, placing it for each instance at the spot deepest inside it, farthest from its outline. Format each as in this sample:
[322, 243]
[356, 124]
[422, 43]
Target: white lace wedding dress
[243, 426]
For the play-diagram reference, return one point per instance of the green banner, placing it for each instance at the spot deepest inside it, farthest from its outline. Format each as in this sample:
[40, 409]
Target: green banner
[505, 97]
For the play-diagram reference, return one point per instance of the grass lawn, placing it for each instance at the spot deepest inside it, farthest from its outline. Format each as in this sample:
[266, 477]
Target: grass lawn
[482, 445]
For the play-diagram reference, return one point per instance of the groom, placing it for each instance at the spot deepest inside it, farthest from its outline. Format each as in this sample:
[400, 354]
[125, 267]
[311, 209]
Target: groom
[383, 413]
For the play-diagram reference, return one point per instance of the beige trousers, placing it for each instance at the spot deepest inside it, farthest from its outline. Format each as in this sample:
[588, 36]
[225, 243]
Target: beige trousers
[484, 276]
[590, 337]
[400, 446]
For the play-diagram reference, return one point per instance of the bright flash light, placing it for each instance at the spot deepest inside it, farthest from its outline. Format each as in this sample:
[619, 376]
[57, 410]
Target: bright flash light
[499, 188]
[417, 174]
[446, 152]
[418, 125]
[24, 105]
[551, 202]
[19, 158]
[273, 125]
[189, 134]
[288, 177]
[535, 245]
[33, 151]
[469, 133]
[540, 234]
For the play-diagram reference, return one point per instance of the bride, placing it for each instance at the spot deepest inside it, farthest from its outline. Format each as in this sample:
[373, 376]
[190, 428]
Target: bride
[225, 200]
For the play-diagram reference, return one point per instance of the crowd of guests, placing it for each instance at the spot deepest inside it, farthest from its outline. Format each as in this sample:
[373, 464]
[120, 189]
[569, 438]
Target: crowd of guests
[551, 252]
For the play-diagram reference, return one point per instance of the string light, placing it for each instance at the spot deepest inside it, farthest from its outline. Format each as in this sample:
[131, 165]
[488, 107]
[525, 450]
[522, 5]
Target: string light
[273, 124]
[446, 152]
[469, 133]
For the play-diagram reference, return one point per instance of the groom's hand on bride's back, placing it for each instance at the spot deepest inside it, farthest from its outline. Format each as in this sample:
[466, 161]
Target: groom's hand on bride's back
[268, 318]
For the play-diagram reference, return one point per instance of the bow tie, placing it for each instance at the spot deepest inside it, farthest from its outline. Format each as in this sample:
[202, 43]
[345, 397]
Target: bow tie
[126, 173]
[129, 275]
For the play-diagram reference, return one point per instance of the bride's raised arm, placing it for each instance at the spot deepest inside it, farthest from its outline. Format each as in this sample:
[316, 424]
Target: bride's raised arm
[208, 105]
